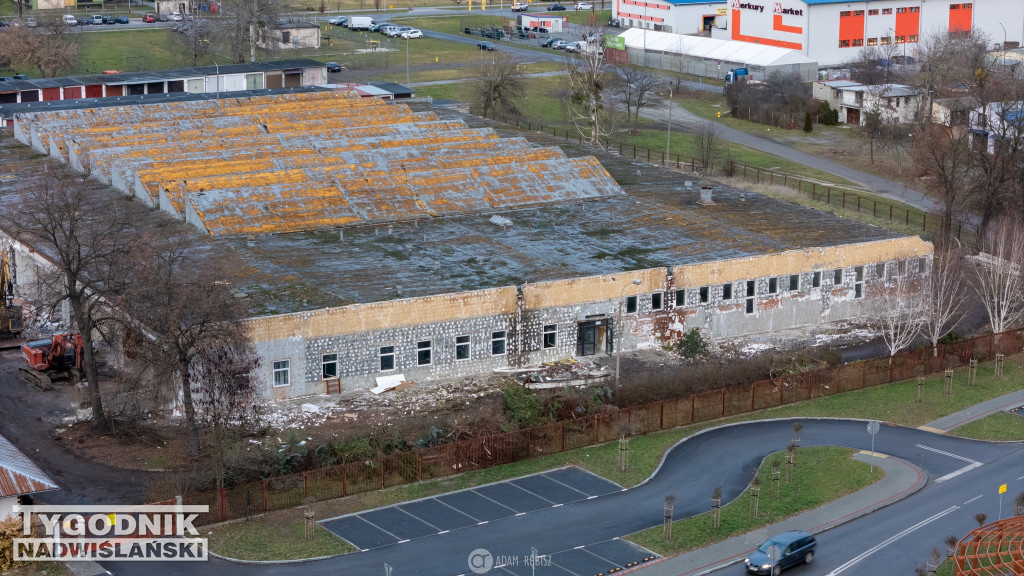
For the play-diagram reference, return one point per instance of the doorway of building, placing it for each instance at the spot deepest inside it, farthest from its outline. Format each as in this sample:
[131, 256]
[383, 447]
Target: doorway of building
[594, 335]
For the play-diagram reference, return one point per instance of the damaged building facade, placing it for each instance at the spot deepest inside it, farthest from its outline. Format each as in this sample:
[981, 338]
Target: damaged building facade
[395, 241]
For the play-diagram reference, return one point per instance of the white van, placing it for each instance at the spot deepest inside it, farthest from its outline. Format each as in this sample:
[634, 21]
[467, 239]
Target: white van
[360, 23]
[97, 19]
[70, 20]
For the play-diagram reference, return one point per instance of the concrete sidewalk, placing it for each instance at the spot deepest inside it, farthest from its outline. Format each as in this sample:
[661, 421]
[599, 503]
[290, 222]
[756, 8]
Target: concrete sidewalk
[901, 480]
[976, 412]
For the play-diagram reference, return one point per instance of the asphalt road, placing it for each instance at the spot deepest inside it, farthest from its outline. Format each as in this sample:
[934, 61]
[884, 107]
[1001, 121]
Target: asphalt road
[723, 457]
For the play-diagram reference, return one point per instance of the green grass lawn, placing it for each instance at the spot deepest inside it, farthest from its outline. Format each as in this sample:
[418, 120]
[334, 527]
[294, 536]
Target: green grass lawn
[821, 476]
[998, 426]
[894, 403]
[284, 539]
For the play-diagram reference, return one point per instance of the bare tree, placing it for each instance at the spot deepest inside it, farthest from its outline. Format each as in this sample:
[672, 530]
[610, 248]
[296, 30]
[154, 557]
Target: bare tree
[224, 383]
[637, 84]
[707, 143]
[896, 311]
[87, 237]
[943, 154]
[193, 38]
[47, 48]
[246, 24]
[588, 106]
[498, 85]
[186, 307]
[945, 295]
[995, 273]
[21, 6]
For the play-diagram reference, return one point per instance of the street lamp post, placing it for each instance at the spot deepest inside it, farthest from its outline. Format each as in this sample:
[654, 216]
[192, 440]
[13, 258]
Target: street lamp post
[645, 34]
[618, 329]
[1004, 42]
[407, 60]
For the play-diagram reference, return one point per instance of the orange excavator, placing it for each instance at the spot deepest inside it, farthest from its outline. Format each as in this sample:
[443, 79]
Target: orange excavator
[11, 318]
[60, 357]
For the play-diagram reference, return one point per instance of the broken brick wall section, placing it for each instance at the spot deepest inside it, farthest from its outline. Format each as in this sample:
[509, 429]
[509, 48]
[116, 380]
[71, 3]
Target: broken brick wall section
[478, 331]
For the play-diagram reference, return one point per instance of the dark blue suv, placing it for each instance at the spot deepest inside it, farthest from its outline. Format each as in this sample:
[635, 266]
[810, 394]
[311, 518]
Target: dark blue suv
[793, 548]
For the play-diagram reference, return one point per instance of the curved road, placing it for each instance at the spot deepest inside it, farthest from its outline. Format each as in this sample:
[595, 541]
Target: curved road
[723, 457]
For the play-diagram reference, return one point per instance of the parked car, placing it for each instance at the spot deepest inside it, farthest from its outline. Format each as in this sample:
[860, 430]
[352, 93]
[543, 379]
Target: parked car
[520, 7]
[3, 23]
[70, 20]
[794, 547]
[334, 19]
[176, 17]
[21, 77]
[556, 8]
[97, 19]
[31, 22]
[333, 67]
[109, 20]
[377, 27]
[163, 17]
[559, 44]
[574, 47]
[548, 42]
[485, 45]
[149, 18]
[584, 6]
[342, 20]
[414, 33]
[396, 31]
[121, 20]
[4, 79]
[614, 22]
[84, 21]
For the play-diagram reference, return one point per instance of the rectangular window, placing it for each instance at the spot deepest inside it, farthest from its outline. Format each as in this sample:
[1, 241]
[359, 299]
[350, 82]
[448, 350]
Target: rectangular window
[858, 42]
[550, 335]
[423, 349]
[773, 285]
[858, 12]
[750, 305]
[858, 290]
[656, 300]
[837, 277]
[915, 9]
[885, 40]
[901, 39]
[886, 10]
[873, 12]
[329, 363]
[901, 266]
[751, 287]
[845, 14]
[816, 280]
[859, 273]
[872, 41]
[726, 291]
[844, 43]
[912, 38]
[880, 270]
[282, 373]
[631, 304]
[705, 294]
[498, 343]
[387, 358]
[794, 282]
[461, 348]
[901, 10]
[680, 298]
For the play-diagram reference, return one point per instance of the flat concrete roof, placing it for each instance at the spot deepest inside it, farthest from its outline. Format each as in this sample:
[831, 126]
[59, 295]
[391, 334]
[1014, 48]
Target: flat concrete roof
[658, 222]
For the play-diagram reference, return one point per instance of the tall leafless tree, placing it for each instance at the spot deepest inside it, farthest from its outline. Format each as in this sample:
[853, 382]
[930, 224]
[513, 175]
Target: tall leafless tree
[185, 308]
[87, 236]
[21, 6]
[942, 154]
[945, 295]
[245, 25]
[498, 84]
[995, 273]
[193, 38]
[636, 84]
[588, 104]
[895, 309]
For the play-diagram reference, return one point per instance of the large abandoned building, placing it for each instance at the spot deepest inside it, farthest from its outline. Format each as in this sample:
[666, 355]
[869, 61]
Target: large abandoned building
[375, 240]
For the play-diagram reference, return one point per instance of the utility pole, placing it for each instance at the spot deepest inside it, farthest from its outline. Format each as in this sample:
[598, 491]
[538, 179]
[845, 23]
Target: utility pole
[668, 140]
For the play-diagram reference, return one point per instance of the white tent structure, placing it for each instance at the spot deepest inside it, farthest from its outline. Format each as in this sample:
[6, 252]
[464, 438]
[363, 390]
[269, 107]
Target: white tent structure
[710, 57]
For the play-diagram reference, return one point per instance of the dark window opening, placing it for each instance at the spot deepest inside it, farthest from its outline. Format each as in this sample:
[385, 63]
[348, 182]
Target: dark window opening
[816, 280]
[656, 301]
[550, 335]
[750, 287]
[705, 294]
[387, 358]
[859, 273]
[680, 297]
[423, 350]
[462, 347]
[794, 282]
[726, 291]
[631, 302]
[750, 305]
[498, 343]
[837, 277]
[773, 285]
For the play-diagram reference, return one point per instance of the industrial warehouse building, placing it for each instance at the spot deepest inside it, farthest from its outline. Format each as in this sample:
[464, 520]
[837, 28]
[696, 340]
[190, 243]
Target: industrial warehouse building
[829, 32]
[375, 239]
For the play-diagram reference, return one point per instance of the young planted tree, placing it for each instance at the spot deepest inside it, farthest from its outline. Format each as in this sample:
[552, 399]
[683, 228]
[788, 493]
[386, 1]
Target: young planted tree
[944, 295]
[498, 85]
[87, 236]
[995, 273]
[708, 143]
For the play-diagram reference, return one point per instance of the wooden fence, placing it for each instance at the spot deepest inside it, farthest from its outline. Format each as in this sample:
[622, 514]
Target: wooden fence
[281, 492]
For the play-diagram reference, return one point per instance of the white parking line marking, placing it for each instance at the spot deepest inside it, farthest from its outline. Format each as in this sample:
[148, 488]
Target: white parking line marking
[579, 547]
[971, 466]
[443, 531]
[521, 514]
[591, 497]
[892, 539]
[972, 499]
